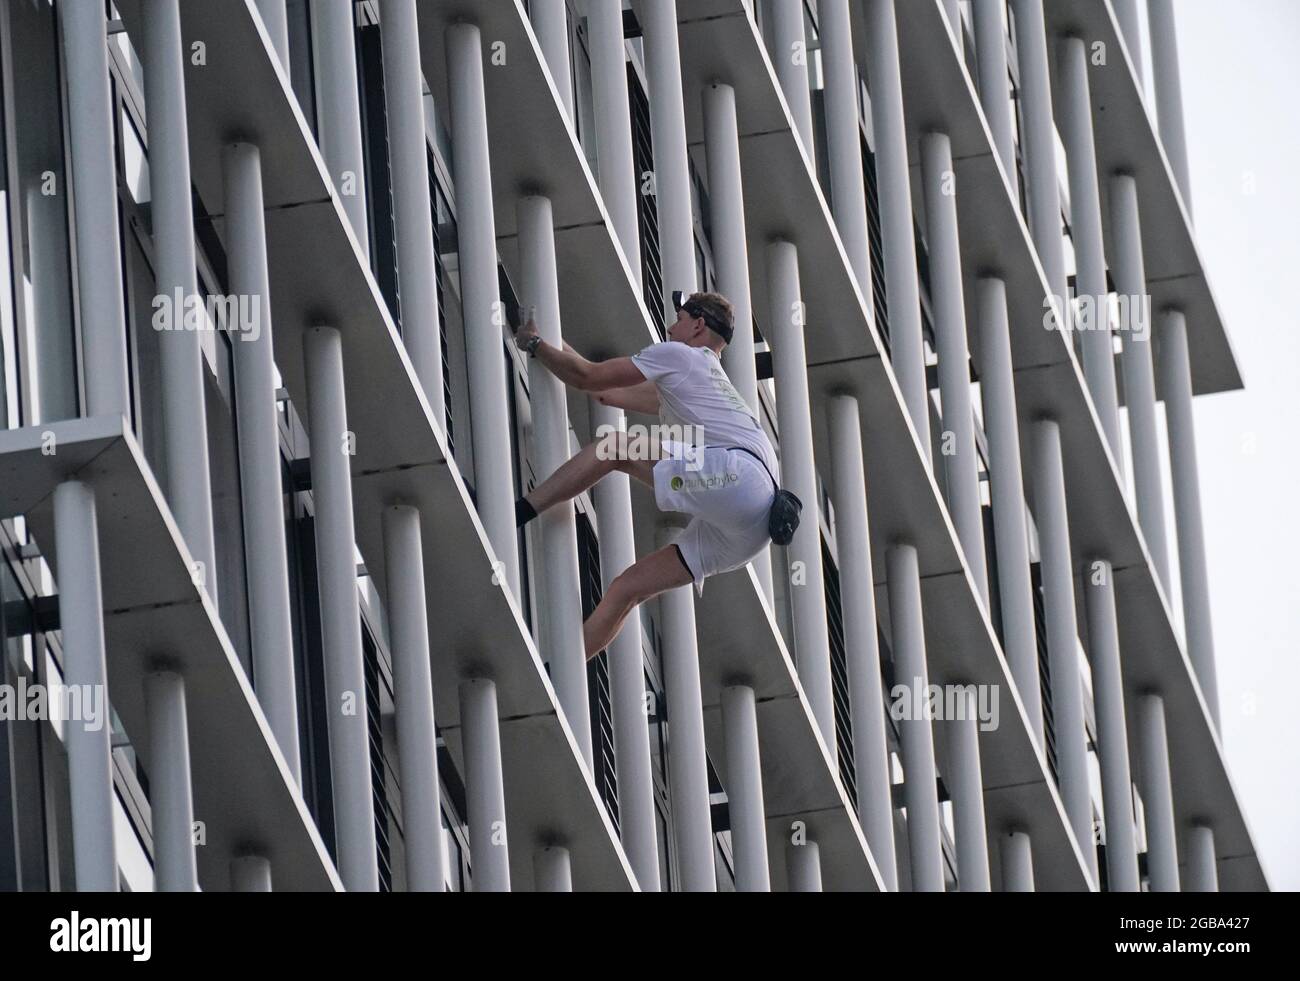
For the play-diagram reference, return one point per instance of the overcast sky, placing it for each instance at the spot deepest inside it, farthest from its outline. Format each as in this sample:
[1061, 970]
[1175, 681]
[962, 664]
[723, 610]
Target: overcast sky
[1240, 76]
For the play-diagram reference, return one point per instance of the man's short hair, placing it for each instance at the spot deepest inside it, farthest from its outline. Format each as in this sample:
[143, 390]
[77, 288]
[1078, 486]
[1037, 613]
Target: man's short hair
[716, 311]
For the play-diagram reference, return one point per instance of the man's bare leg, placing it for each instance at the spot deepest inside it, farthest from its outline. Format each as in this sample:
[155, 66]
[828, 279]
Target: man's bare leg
[585, 468]
[642, 580]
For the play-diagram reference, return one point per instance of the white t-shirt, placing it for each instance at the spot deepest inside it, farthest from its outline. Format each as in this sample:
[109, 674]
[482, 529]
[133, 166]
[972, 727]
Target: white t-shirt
[693, 389]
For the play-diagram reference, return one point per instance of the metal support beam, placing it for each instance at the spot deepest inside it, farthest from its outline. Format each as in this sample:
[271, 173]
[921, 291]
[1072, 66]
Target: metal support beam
[688, 776]
[408, 156]
[185, 427]
[745, 789]
[907, 348]
[481, 304]
[81, 618]
[94, 194]
[731, 259]
[561, 613]
[417, 740]
[336, 569]
[1157, 794]
[258, 425]
[1193, 564]
[861, 644]
[1112, 734]
[920, 790]
[171, 796]
[484, 788]
[338, 107]
[612, 498]
[1062, 635]
[799, 474]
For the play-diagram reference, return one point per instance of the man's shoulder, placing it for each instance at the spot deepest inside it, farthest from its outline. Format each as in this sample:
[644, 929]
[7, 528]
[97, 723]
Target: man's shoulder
[669, 349]
[665, 357]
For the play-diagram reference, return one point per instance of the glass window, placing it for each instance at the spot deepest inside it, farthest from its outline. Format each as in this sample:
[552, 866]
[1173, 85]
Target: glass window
[134, 160]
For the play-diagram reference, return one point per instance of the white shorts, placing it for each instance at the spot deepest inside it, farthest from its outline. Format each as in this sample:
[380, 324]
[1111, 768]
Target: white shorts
[728, 495]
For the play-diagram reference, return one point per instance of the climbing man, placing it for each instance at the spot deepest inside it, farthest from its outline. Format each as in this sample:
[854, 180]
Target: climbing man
[726, 480]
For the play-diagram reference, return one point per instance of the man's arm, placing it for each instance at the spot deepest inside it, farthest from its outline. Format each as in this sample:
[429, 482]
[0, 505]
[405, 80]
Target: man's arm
[576, 371]
[636, 398]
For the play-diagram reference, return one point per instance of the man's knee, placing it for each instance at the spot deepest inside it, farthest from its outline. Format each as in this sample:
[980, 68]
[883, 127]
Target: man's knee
[611, 448]
[605, 450]
[615, 451]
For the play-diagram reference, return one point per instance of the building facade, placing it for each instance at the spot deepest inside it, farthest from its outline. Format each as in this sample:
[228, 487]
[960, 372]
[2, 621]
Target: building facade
[268, 621]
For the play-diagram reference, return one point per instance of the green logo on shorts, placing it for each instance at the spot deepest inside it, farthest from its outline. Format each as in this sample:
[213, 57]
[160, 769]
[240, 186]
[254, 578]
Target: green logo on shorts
[676, 483]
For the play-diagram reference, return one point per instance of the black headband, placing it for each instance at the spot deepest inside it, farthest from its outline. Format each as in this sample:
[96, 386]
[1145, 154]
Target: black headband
[710, 319]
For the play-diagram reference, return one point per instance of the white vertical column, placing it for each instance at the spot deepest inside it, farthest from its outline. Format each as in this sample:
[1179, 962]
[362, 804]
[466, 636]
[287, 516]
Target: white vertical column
[408, 155]
[189, 489]
[790, 58]
[861, 645]
[688, 775]
[250, 873]
[612, 499]
[171, 798]
[257, 421]
[799, 474]
[1062, 634]
[81, 618]
[1112, 736]
[336, 569]
[907, 349]
[485, 795]
[844, 140]
[803, 862]
[553, 869]
[1202, 867]
[1090, 258]
[995, 82]
[561, 615]
[276, 18]
[338, 103]
[1038, 147]
[672, 180]
[731, 258]
[952, 10]
[1017, 862]
[1129, 14]
[417, 740]
[1007, 495]
[745, 789]
[614, 159]
[730, 251]
[99, 262]
[551, 25]
[1193, 567]
[480, 297]
[1129, 273]
[967, 790]
[1157, 794]
[901, 845]
[961, 467]
[920, 790]
[1169, 91]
